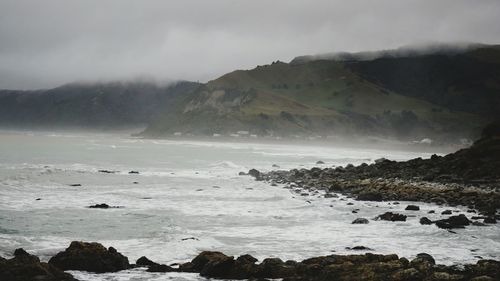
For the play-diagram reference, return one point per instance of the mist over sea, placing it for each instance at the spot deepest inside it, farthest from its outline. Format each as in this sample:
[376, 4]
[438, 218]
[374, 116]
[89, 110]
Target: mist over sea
[187, 197]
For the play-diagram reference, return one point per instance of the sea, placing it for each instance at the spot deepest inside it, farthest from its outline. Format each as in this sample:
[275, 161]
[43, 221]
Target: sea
[185, 196]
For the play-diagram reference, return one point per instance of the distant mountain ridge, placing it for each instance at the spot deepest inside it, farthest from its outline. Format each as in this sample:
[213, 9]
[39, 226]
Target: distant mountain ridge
[443, 94]
[90, 105]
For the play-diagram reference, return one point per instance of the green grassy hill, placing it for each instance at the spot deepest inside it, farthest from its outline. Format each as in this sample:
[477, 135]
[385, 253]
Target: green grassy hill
[443, 96]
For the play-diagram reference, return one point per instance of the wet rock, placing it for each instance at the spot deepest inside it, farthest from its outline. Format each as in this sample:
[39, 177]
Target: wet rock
[144, 261]
[431, 212]
[445, 276]
[255, 173]
[369, 196]
[491, 220]
[107, 171]
[274, 268]
[160, 268]
[242, 174]
[75, 184]
[133, 172]
[99, 206]
[103, 206]
[92, 257]
[446, 212]
[359, 248]
[26, 267]
[425, 221]
[360, 221]
[408, 274]
[412, 208]
[459, 221]
[319, 162]
[275, 166]
[423, 262]
[389, 216]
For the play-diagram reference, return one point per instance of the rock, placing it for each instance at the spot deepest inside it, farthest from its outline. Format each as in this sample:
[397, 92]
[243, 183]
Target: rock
[160, 268]
[490, 220]
[412, 208]
[360, 221]
[380, 160]
[330, 195]
[133, 172]
[319, 162]
[453, 222]
[389, 216]
[242, 174]
[446, 212]
[75, 184]
[99, 206]
[359, 248]
[482, 278]
[199, 262]
[444, 276]
[275, 166]
[369, 196]
[431, 212]
[26, 267]
[107, 171]
[92, 257]
[425, 221]
[256, 174]
[423, 262]
[408, 274]
[143, 261]
[274, 268]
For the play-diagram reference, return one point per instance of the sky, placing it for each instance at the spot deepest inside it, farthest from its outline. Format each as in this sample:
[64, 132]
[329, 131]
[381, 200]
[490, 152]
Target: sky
[48, 43]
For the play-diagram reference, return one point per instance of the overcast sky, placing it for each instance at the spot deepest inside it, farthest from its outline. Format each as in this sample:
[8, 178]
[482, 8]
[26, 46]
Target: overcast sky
[52, 42]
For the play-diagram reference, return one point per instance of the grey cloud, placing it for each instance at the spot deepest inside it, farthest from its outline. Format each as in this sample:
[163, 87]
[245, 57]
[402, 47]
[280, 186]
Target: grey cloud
[51, 42]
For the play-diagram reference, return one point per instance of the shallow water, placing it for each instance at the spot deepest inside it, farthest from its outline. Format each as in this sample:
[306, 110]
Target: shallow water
[191, 189]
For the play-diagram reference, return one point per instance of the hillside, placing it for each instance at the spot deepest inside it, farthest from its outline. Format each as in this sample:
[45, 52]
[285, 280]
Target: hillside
[442, 95]
[98, 106]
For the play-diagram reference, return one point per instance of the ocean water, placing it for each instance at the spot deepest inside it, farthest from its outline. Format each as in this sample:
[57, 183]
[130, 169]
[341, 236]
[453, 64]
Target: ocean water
[188, 197]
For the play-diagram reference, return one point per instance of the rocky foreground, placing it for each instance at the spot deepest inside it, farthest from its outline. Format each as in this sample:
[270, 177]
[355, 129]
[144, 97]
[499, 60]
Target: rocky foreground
[94, 257]
[468, 177]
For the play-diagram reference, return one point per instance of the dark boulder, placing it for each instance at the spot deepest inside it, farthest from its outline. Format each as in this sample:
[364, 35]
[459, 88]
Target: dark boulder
[100, 206]
[490, 220]
[446, 212]
[423, 262]
[143, 261]
[92, 257]
[360, 221]
[26, 267]
[412, 208]
[389, 216]
[425, 221]
[255, 173]
[275, 268]
[459, 221]
[160, 268]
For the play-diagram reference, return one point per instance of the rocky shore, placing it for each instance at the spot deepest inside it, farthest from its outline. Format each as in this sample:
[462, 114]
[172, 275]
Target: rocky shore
[94, 257]
[468, 177]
